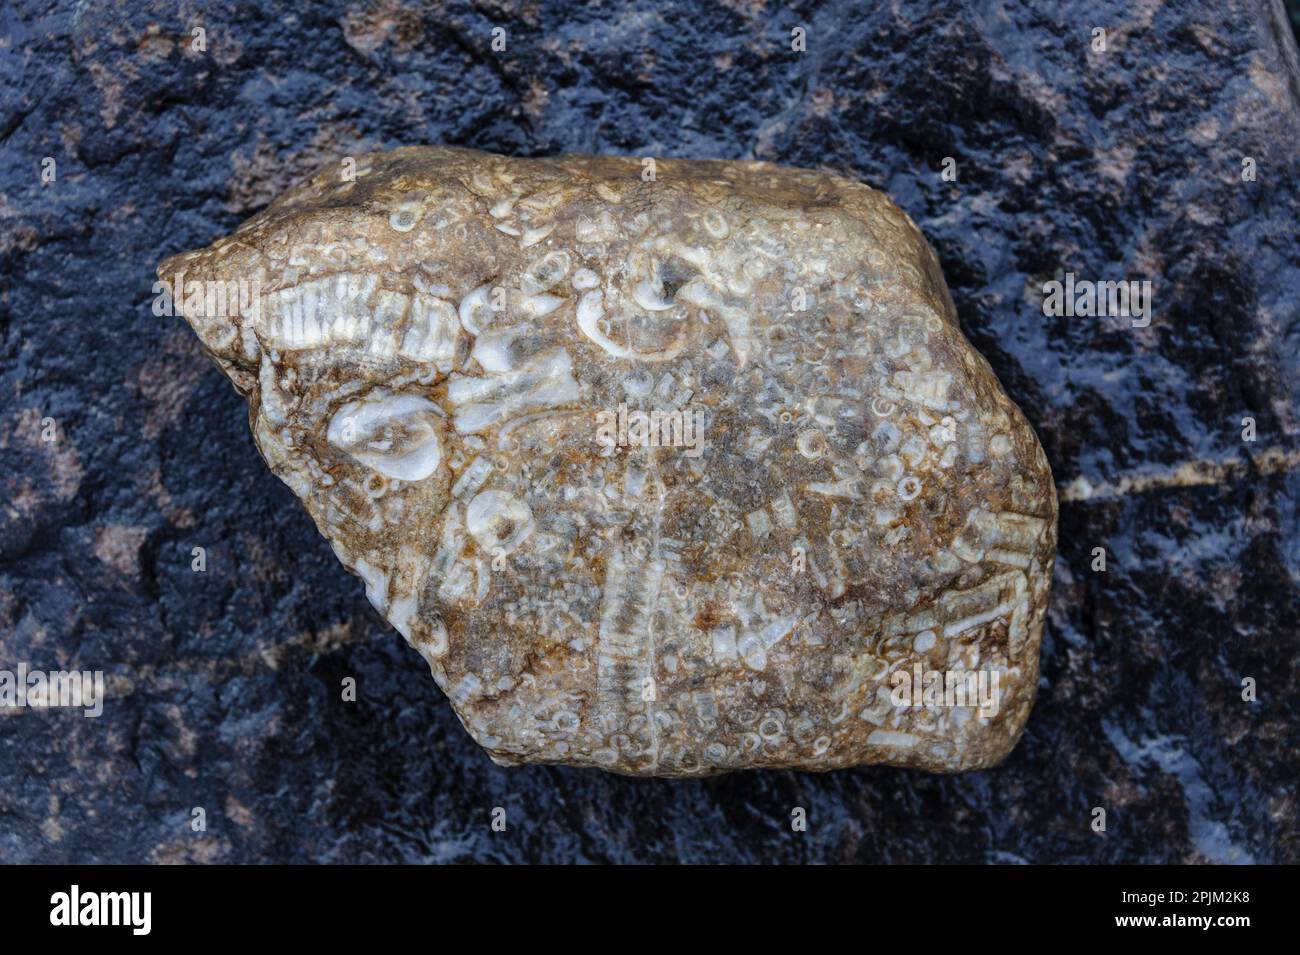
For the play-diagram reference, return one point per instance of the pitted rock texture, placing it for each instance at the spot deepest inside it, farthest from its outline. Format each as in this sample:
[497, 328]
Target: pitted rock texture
[453, 359]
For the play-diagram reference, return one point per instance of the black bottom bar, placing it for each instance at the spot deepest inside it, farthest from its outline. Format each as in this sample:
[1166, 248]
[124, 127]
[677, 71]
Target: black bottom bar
[333, 904]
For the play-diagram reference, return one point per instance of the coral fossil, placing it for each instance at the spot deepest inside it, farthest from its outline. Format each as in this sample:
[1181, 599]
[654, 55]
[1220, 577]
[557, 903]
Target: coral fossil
[666, 474]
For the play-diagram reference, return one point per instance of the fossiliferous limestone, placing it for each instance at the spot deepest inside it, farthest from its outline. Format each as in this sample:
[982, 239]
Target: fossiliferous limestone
[666, 475]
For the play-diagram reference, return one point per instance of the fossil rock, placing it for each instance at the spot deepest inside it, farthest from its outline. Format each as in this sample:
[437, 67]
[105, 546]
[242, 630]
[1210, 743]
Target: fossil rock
[667, 476]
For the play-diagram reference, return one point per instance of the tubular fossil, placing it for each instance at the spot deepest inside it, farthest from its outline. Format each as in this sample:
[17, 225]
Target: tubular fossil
[479, 375]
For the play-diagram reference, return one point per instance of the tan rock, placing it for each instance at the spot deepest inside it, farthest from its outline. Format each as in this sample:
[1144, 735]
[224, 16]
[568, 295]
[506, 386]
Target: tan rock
[669, 476]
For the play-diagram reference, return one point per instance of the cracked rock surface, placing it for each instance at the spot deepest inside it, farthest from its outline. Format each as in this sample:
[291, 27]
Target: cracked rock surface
[224, 687]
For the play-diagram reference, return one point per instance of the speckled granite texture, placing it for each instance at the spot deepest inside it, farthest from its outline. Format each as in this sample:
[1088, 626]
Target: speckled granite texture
[224, 688]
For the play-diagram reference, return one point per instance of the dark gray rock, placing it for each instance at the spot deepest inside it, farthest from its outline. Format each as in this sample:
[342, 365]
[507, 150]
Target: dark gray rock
[225, 686]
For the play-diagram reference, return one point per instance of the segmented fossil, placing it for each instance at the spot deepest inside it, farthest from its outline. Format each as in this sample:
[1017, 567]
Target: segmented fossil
[669, 469]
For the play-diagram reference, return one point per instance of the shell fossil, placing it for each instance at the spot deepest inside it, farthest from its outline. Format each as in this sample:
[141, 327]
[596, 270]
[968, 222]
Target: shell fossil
[667, 477]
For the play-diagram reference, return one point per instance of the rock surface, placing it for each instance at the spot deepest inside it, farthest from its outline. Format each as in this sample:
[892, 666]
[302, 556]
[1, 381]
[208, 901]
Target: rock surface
[667, 468]
[225, 686]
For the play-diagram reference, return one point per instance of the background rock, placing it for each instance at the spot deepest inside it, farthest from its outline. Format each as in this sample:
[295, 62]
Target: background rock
[224, 687]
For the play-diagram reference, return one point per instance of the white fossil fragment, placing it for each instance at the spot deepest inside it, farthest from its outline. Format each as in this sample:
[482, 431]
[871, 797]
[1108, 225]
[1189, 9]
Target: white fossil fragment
[498, 521]
[396, 435]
